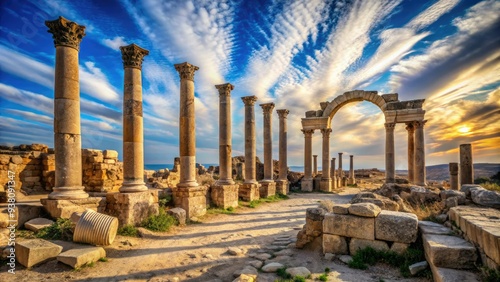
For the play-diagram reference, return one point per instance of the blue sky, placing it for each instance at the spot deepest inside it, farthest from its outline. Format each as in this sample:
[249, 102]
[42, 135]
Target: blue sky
[295, 53]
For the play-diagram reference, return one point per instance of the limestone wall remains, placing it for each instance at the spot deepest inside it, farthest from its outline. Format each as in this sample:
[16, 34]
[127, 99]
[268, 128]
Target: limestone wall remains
[102, 172]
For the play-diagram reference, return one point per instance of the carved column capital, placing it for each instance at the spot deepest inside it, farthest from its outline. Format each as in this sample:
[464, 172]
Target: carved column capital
[267, 108]
[283, 113]
[66, 33]
[224, 89]
[410, 127]
[351, 156]
[249, 100]
[389, 126]
[340, 154]
[308, 132]
[133, 55]
[326, 132]
[419, 123]
[186, 70]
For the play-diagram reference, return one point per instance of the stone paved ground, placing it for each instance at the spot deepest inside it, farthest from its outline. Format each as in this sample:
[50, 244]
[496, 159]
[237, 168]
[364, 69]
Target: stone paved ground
[199, 252]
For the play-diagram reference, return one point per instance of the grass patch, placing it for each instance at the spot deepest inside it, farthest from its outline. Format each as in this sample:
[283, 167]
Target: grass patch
[275, 198]
[165, 200]
[103, 259]
[323, 277]
[490, 275]
[128, 230]
[370, 256]
[492, 187]
[283, 274]
[59, 230]
[229, 210]
[161, 222]
[28, 234]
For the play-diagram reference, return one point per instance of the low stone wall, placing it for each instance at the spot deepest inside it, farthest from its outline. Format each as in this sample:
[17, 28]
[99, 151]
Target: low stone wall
[102, 172]
[352, 227]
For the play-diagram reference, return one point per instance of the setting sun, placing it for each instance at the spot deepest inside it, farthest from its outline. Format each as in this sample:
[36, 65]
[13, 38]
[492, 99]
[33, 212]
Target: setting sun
[464, 129]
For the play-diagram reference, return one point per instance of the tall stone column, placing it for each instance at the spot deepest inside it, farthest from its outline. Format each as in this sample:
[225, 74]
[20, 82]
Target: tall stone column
[307, 181]
[333, 174]
[225, 193]
[249, 190]
[420, 178]
[315, 165]
[268, 186]
[67, 133]
[352, 179]
[133, 136]
[466, 165]
[188, 194]
[390, 168]
[454, 176]
[341, 172]
[326, 182]
[411, 151]
[282, 185]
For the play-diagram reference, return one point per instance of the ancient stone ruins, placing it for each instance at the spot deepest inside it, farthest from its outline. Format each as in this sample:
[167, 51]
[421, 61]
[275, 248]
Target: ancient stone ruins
[99, 194]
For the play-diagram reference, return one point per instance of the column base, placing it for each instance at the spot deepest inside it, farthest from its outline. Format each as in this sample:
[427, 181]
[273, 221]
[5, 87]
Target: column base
[344, 181]
[282, 187]
[65, 208]
[192, 199]
[351, 181]
[132, 208]
[249, 191]
[334, 183]
[325, 185]
[133, 186]
[68, 193]
[267, 188]
[306, 185]
[317, 183]
[225, 195]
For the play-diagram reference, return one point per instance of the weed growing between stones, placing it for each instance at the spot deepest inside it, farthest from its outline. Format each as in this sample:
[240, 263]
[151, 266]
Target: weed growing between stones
[490, 275]
[229, 210]
[128, 230]
[59, 230]
[275, 198]
[165, 200]
[103, 259]
[161, 222]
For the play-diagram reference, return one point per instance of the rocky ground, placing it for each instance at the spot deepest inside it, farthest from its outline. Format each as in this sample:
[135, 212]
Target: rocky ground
[216, 249]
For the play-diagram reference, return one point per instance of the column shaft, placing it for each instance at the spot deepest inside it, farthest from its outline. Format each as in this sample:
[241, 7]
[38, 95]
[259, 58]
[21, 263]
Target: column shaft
[341, 172]
[466, 164]
[308, 153]
[315, 165]
[352, 180]
[420, 178]
[283, 144]
[411, 151]
[225, 144]
[250, 144]
[326, 154]
[454, 176]
[390, 169]
[268, 141]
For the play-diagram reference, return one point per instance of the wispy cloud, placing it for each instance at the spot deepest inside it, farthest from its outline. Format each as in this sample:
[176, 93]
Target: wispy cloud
[115, 43]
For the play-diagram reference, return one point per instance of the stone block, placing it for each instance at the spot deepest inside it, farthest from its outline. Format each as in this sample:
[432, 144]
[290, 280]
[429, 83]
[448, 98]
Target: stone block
[65, 208]
[417, 267]
[486, 198]
[315, 214]
[282, 187]
[358, 244]
[341, 209]
[364, 209]
[4, 159]
[298, 271]
[249, 191]
[132, 208]
[399, 248]
[467, 188]
[34, 251]
[396, 226]
[449, 251]
[16, 159]
[225, 196]
[192, 199]
[38, 223]
[81, 256]
[335, 244]
[110, 154]
[452, 193]
[26, 212]
[349, 226]
[179, 214]
[429, 227]
[267, 189]
[441, 274]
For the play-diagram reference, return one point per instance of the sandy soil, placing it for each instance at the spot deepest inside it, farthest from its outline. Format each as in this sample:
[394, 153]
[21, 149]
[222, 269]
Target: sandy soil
[198, 252]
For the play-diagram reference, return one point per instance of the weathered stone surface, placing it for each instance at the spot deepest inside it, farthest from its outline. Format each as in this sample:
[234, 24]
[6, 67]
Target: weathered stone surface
[452, 193]
[255, 263]
[110, 154]
[329, 256]
[449, 251]
[298, 271]
[37, 224]
[272, 267]
[341, 209]
[422, 194]
[65, 208]
[396, 227]
[441, 274]
[225, 196]
[429, 227]
[16, 159]
[81, 256]
[467, 188]
[263, 256]
[247, 270]
[417, 267]
[399, 248]
[234, 251]
[316, 214]
[334, 244]
[345, 259]
[246, 278]
[132, 208]
[34, 251]
[357, 244]
[179, 214]
[364, 209]
[349, 226]
[381, 201]
[486, 198]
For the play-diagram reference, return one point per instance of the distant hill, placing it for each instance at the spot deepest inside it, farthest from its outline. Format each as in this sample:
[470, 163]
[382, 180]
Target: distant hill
[441, 172]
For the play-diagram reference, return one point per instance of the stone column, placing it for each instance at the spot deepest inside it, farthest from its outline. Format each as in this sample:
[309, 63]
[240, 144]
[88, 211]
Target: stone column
[341, 172]
[307, 181]
[268, 186]
[133, 136]
[225, 193]
[390, 168]
[326, 182]
[420, 178]
[249, 190]
[282, 185]
[454, 176]
[188, 194]
[333, 174]
[411, 151]
[67, 134]
[352, 178]
[315, 165]
[466, 165]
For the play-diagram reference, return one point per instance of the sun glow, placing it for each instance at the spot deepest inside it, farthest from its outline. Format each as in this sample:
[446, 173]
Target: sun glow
[464, 129]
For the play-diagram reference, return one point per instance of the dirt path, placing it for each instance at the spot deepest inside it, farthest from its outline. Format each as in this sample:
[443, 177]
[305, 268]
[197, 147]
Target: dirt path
[198, 252]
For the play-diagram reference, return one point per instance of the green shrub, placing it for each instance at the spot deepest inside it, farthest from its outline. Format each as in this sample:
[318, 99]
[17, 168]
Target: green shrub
[161, 222]
[128, 230]
[281, 272]
[164, 200]
[323, 277]
[327, 270]
[103, 259]
[229, 210]
[59, 230]
[299, 278]
[490, 275]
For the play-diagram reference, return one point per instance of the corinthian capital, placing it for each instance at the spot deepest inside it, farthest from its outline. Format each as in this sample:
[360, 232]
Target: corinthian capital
[326, 132]
[390, 126]
[283, 113]
[249, 100]
[419, 123]
[133, 55]
[186, 70]
[410, 127]
[267, 108]
[225, 89]
[66, 32]
[308, 132]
